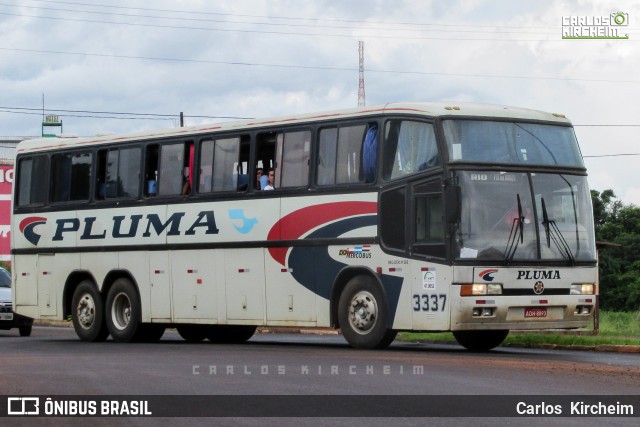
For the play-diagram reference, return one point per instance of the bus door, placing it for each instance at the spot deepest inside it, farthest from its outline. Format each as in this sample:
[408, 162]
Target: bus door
[426, 241]
[412, 225]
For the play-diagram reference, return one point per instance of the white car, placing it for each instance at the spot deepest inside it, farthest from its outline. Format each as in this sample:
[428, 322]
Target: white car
[9, 319]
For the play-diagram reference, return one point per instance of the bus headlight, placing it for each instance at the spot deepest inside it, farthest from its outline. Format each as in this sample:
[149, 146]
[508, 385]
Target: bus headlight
[582, 289]
[481, 289]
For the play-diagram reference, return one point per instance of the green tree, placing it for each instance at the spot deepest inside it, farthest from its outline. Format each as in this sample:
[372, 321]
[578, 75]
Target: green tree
[618, 223]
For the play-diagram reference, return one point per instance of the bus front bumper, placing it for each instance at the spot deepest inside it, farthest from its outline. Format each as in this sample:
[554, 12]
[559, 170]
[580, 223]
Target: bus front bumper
[523, 313]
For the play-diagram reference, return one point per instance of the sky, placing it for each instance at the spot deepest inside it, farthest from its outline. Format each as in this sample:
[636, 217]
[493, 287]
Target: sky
[132, 65]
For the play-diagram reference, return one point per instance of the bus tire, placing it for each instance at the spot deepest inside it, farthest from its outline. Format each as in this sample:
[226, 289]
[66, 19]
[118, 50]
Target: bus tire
[230, 334]
[362, 315]
[192, 333]
[480, 341]
[123, 311]
[87, 313]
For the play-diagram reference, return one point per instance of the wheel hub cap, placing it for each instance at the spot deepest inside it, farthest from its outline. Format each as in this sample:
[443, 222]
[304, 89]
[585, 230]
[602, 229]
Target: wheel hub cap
[363, 312]
[86, 311]
[121, 311]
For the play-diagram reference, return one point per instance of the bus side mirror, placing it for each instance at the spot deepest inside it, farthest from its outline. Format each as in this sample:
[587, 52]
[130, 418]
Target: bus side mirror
[452, 201]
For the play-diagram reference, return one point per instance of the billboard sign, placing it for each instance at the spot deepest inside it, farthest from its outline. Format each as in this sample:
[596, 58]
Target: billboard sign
[6, 181]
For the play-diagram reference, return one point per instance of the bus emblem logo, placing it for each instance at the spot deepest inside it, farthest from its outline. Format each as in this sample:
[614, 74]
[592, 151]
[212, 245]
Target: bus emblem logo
[487, 275]
[538, 287]
[28, 224]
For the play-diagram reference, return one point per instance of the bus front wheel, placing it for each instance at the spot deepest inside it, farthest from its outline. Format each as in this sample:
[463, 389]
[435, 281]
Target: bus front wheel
[480, 341]
[123, 311]
[363, 315]
[88, 313]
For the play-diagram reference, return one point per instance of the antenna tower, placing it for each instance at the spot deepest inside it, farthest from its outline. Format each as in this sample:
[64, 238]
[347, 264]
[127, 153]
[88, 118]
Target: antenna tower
[361, 96]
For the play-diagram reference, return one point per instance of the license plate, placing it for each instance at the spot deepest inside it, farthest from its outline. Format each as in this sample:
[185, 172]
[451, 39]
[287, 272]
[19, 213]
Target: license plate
[534, 312]
[6, 316]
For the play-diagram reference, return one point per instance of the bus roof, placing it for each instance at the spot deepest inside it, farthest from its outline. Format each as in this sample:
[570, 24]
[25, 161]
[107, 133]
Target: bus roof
[432, 109]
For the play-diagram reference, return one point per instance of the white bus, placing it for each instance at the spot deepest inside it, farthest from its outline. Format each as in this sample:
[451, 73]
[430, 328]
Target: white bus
[474, 219]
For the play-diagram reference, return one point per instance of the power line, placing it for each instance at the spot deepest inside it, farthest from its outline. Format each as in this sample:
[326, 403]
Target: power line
[310, 67]
[298, 18]
[288, 33]
[115, 116]
[51, 110]
[90, 116]
[226, 21]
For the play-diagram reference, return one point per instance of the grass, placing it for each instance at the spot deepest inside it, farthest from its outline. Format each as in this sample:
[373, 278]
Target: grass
[616, 328]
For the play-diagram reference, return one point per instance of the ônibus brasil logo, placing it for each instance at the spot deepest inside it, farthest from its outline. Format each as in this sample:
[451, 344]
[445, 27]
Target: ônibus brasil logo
[28, 224]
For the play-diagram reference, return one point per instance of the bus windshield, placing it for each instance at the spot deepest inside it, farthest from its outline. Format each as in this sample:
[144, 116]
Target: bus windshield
[524, 217]
[511, 142]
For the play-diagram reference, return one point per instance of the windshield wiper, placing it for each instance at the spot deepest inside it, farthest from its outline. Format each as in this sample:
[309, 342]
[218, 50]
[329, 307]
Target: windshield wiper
[516, 236]
[553, 233]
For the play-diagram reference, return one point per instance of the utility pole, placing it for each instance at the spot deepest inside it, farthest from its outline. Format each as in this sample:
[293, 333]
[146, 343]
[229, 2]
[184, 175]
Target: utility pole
[181, 119]
[361, 96]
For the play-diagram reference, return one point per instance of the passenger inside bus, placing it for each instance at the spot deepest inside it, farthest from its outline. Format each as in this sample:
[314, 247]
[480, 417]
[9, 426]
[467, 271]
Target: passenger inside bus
[270, 180]
[259, 173]
[186, 185]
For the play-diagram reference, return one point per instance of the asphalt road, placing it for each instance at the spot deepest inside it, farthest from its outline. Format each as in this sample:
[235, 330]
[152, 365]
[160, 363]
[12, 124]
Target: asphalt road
[54, 362]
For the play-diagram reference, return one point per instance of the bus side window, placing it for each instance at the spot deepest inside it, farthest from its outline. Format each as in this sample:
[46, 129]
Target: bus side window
[71, 177]
[288, 154]
[409, 147]
[151, 170]
[429, 225]
[32, 181]
[370, 154]
[265, 154]
[347, 155]
[327, 148]
[118, 173]
[294, 149]
[220, 166]
[173, 176]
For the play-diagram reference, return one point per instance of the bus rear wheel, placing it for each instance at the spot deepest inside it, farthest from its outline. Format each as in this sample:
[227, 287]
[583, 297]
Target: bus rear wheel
[88, 313]
[480, 341]
[363, 315]
[123, 311]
